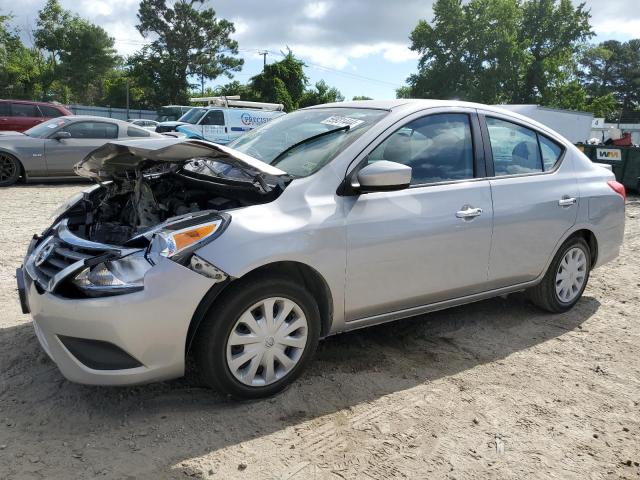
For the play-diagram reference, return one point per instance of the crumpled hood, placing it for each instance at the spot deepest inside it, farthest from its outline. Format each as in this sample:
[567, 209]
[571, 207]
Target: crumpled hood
[114, 158]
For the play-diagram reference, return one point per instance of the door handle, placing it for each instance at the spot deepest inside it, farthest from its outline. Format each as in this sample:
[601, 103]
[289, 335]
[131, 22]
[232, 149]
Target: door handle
[567, 201]
[468, 212]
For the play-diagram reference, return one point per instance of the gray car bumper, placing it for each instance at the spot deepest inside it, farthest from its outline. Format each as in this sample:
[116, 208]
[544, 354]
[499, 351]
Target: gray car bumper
[149, 326]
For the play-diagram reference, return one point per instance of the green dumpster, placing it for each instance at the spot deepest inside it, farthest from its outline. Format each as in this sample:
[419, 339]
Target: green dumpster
[624, 161]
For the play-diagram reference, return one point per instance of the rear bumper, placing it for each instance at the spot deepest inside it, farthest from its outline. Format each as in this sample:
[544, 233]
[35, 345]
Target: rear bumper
[150, 326]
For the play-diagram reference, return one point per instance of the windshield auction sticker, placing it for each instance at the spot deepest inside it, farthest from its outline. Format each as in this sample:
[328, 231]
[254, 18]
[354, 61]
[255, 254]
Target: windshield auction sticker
[339, 121]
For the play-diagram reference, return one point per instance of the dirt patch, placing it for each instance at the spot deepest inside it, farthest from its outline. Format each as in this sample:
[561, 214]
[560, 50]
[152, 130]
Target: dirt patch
[493, 390]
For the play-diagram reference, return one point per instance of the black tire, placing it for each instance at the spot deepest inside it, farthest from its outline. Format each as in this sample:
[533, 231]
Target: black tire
[210, 345]
[544, 294]
[10, 169]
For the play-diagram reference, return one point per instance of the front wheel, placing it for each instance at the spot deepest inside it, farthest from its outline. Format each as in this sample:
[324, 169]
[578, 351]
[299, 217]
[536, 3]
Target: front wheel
[258, 338]
[9, 170]
[566, 278]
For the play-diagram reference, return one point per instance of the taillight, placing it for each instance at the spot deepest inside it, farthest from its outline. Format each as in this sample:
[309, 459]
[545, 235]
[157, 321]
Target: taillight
[618, 188]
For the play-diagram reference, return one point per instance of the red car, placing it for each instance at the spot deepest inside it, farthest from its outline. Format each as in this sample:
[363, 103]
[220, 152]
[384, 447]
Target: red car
[21, 115]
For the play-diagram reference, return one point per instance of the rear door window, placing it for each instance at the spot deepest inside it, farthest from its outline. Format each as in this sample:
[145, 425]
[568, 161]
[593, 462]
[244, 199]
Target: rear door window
[24, 110]
[92, 130]
[5, 110]
[50, 112]
[551, 152]
[137, 132]
[515, 148]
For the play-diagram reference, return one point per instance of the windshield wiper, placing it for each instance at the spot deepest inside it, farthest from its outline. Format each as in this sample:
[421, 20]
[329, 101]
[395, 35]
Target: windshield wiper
[282, 154]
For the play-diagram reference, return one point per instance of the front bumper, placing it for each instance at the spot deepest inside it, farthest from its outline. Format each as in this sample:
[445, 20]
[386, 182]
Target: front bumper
[150, 325]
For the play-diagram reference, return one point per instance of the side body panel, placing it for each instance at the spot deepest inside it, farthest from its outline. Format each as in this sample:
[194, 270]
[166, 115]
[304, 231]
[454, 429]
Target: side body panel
[19, 121]
[29, 151]
[408, 248]
[601, 210]
[305, 224]
[530, 214]
[62, 155]
[528, 221]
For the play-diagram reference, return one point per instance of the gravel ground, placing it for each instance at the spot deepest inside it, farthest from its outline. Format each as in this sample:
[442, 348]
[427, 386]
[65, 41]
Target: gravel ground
[495, 389]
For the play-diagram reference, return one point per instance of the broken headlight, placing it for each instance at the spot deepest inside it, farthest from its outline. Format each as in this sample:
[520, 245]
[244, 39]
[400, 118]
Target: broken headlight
[113, 277]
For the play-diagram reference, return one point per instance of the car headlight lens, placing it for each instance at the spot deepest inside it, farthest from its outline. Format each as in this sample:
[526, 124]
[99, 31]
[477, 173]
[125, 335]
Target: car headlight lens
[173, 242]
[113, 277]
[179, 240]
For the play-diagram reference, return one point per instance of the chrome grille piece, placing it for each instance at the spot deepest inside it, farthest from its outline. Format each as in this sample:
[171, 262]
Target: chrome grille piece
[62, 254]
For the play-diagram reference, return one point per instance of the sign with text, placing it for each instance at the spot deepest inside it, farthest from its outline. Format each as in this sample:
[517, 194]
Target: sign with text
[609, 154]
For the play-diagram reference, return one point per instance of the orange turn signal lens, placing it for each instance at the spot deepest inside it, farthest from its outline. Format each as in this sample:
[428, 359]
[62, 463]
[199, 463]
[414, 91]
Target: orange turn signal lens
[188, 237]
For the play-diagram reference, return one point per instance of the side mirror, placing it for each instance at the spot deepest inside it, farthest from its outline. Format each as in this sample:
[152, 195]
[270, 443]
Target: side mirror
[383, 176]
[60, 134]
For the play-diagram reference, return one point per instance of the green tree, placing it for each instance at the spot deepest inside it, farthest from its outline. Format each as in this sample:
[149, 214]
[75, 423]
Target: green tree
[551, 33]
[188, 41]
[231, 88]
[361, 97]
[76, 54]
[604, 106]
[114, 91]
[497, 50]
[321, 93]
[281, 82]
[404, 92]
[18, 64]
[612, 68]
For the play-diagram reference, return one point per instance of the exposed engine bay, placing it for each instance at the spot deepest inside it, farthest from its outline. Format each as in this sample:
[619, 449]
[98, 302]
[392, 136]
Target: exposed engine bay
[127, 207]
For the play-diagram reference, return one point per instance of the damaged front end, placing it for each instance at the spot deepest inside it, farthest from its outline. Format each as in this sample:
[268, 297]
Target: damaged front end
[156, 200]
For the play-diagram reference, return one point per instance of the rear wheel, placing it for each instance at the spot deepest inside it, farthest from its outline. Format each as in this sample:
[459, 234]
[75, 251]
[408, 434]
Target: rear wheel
[566, 278]
[9, 169]
[258, 338]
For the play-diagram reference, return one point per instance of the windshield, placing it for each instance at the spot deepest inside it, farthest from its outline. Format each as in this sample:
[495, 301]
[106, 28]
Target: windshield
[45, 129]
[193, 115]
[272, 142]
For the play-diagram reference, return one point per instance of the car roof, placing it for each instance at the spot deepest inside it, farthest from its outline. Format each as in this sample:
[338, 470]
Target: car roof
[410, 105]
[31, 102]
[96, 118]
[405, 103]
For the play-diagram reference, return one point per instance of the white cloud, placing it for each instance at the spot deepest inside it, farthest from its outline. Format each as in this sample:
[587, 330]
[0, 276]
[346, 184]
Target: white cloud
[316, 10]
[339, 57]
[618, 27]
[240, 25]
[324, 32]
[329, 57]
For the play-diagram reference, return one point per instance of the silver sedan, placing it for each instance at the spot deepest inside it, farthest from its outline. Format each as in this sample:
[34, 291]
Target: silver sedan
[52, 148]
[325, 220]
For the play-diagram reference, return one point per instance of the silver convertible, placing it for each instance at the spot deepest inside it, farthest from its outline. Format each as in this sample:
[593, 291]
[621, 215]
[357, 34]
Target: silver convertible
[52, 148]
[325, 220]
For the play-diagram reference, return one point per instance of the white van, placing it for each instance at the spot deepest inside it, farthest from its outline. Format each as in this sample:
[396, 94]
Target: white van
[223, 119]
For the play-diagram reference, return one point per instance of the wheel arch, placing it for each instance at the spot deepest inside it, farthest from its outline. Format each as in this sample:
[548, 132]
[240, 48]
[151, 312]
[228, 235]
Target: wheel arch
[23, 171]
[308, 276]
[583, 231]
[591, 240]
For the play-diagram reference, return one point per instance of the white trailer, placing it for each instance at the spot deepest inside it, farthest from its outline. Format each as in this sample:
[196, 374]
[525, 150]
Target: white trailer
[572, 124]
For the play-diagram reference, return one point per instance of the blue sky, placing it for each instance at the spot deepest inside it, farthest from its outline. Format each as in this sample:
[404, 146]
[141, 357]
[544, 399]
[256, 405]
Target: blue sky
[358, 46]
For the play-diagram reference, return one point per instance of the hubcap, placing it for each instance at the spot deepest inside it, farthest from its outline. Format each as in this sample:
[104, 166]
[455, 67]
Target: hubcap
[267, 341]
[571, 274]
[7, 168]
